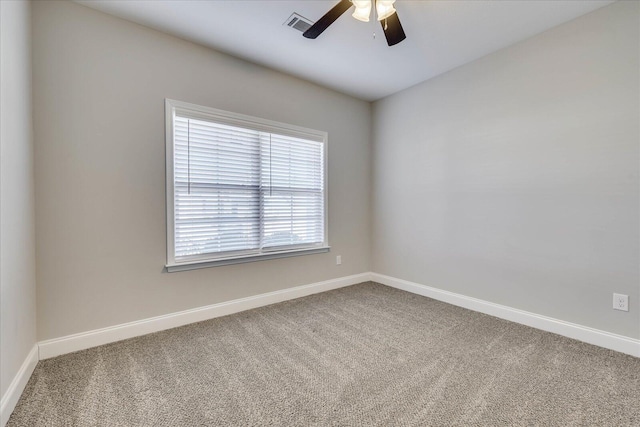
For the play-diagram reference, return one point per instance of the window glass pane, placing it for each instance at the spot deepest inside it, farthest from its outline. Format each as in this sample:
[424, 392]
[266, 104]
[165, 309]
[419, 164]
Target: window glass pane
[293, 218]
[216, 188]
[211, 221]
[293, 197]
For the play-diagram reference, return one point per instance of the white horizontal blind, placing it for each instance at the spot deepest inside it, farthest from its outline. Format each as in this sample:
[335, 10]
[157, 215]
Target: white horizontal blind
[243, 191]
[292, 192]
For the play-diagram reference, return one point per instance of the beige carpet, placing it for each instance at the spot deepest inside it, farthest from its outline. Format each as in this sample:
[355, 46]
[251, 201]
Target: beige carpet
[363, 355]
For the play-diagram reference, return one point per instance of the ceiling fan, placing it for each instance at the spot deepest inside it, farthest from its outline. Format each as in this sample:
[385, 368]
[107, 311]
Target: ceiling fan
[386, 14]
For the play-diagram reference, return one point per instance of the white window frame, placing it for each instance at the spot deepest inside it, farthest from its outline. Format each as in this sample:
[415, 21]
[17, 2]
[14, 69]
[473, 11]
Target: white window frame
[194, 111]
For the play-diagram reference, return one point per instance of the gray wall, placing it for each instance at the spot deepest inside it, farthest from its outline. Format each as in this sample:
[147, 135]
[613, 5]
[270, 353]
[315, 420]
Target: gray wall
[514, 178]
[17, 215]
[99, 89]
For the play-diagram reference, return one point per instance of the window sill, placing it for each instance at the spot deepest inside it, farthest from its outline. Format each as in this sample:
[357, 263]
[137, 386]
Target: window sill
[194, 265]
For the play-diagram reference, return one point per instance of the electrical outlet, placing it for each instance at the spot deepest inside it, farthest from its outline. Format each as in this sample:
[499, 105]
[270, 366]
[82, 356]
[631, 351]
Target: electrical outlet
[339, 260]
[621, 302]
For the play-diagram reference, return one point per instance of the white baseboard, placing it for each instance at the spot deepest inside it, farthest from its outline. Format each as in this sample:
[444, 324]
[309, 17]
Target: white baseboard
[597, 337]
[13, 393]
[84, 340]
[70, 343]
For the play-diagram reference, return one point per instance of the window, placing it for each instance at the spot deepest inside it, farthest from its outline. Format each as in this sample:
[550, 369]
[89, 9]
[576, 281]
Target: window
[241, 189]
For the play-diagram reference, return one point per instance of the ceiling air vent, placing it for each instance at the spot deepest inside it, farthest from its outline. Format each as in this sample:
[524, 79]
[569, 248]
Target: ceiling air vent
[298, 22]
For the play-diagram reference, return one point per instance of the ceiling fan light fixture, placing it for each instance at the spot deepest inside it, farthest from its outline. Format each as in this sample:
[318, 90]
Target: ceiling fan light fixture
[387, 16]
[363, 10]
[384, 9]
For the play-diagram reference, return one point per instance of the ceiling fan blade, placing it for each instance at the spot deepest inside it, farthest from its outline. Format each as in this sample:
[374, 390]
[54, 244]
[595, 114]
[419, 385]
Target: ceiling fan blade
[393, 29]
[323, 23]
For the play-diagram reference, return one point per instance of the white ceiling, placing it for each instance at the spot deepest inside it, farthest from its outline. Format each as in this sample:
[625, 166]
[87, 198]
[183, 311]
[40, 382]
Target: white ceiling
[441, 35]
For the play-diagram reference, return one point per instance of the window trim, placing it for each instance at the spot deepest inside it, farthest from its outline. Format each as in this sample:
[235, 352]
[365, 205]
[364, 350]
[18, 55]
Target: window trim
[194, 111]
